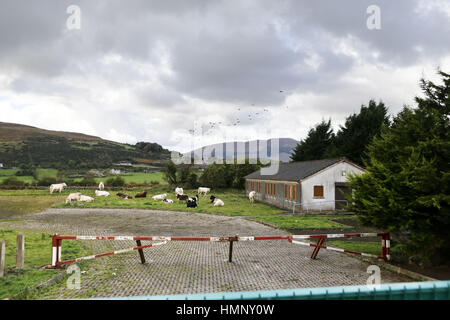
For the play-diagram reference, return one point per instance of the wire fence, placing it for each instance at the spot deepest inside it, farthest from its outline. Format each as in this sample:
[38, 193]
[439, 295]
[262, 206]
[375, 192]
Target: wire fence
[306, 207]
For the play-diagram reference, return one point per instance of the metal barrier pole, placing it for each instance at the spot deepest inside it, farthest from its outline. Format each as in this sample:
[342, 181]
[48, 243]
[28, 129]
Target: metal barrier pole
[317, 248]
[230, 253]
[141, 252]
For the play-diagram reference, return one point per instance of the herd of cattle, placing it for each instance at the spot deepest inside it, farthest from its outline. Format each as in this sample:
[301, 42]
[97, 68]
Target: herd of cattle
[191, 202]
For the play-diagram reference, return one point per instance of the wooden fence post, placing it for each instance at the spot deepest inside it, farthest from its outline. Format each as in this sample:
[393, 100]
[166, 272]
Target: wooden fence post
[2, 258]
[20, 254]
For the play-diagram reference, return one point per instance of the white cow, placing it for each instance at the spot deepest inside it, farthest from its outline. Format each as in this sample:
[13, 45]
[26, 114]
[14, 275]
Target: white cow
[179, 191]
[218, 203]
[101, 186]
[73, 196]
[86, 198]
[203, 190]
[252, 196]
[100, 193]
[168, 200]
[160, 196]
[58, 187]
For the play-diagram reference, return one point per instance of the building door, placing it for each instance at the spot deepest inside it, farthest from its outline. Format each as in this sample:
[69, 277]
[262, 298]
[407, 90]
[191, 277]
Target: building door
[341, 191]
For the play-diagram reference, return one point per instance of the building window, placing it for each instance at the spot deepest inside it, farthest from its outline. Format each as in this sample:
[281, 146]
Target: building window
[318, 191]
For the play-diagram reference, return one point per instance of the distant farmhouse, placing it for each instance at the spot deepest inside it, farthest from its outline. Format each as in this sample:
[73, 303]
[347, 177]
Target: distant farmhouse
[115, 171]
[310, 185]
[123, 163]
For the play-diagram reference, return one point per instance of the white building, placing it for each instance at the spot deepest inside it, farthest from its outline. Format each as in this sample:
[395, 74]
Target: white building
[309, 185]
[1, 165]
[115, 171]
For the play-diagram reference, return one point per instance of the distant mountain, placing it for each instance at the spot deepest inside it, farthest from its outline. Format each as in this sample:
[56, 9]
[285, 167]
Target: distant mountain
[264, 146]
[26, 144]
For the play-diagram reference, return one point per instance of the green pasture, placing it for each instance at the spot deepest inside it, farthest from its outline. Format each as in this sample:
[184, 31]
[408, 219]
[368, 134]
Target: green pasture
[37, 254]
[300, 222]
[236, 204]
[131, 177]
[372, 247]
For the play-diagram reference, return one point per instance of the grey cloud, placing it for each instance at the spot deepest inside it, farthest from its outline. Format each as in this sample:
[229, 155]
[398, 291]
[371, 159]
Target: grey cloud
[220, 52]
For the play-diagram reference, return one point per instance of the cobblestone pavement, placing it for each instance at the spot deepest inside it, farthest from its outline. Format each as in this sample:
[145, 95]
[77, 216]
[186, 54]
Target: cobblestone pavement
[191, 267]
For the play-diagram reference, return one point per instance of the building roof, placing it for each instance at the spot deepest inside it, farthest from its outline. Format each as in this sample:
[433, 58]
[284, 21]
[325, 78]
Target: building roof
[295, 171]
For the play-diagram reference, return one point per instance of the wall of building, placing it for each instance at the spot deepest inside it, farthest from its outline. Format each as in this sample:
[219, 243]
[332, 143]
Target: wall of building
[326, 178]
[278, 199]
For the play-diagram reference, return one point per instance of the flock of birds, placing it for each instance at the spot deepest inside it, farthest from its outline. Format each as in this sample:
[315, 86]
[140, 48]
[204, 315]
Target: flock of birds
[241, 118]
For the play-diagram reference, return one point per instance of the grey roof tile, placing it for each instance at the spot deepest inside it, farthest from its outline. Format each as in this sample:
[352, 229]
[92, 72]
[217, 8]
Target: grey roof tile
[295, 171]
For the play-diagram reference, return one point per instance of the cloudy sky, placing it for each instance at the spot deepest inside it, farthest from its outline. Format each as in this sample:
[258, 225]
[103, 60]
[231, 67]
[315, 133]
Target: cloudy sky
[144, 70]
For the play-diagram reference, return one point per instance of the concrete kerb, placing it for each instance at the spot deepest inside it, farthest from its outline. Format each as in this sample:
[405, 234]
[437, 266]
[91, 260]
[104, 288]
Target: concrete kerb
[395, 269]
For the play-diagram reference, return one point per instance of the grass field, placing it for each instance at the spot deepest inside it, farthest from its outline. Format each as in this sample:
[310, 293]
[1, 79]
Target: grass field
[139, 177]
[37, 254]
[236, 204]
[300, 222]
[18, 205]
[371, 247]
[132, 177]
[15, 203]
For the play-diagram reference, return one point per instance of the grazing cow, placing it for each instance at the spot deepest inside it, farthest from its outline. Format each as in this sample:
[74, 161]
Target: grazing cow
[167, 200]
[252, 196]
[124, 195]
[100, 193]
[141, 195]
[74, 197]
[179, 191]
[192, 202]
[203, 190]
[86, 199]
[58, 187]
[101, 186]
[182, 197]
[160, 196]
[217, 202]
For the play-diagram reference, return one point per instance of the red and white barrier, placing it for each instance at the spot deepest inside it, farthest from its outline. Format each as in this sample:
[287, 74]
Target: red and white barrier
[385, 243]
[57, 243]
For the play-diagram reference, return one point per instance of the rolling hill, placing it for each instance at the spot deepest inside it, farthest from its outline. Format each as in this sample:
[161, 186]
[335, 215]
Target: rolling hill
[26, 144]
[285, 148]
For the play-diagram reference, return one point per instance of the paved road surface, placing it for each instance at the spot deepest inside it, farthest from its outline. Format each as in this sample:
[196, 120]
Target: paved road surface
[192, 267]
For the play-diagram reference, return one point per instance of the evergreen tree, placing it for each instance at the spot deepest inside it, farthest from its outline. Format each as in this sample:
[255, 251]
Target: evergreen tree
[184, 174]
[316, 143]
[358, 131]
[170, 173]
[406, 189]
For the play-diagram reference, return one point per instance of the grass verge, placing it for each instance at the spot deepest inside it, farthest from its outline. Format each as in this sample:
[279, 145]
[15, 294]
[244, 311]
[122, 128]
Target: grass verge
[37, 254]
[372, 247]
[292, 222]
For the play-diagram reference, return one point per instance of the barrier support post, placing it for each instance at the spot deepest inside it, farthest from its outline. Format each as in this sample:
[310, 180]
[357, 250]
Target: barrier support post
[386, 246]
[141, 252]
[20, 253]
[317, 247]
[230, 254]
[2, 257]
[56, 250]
